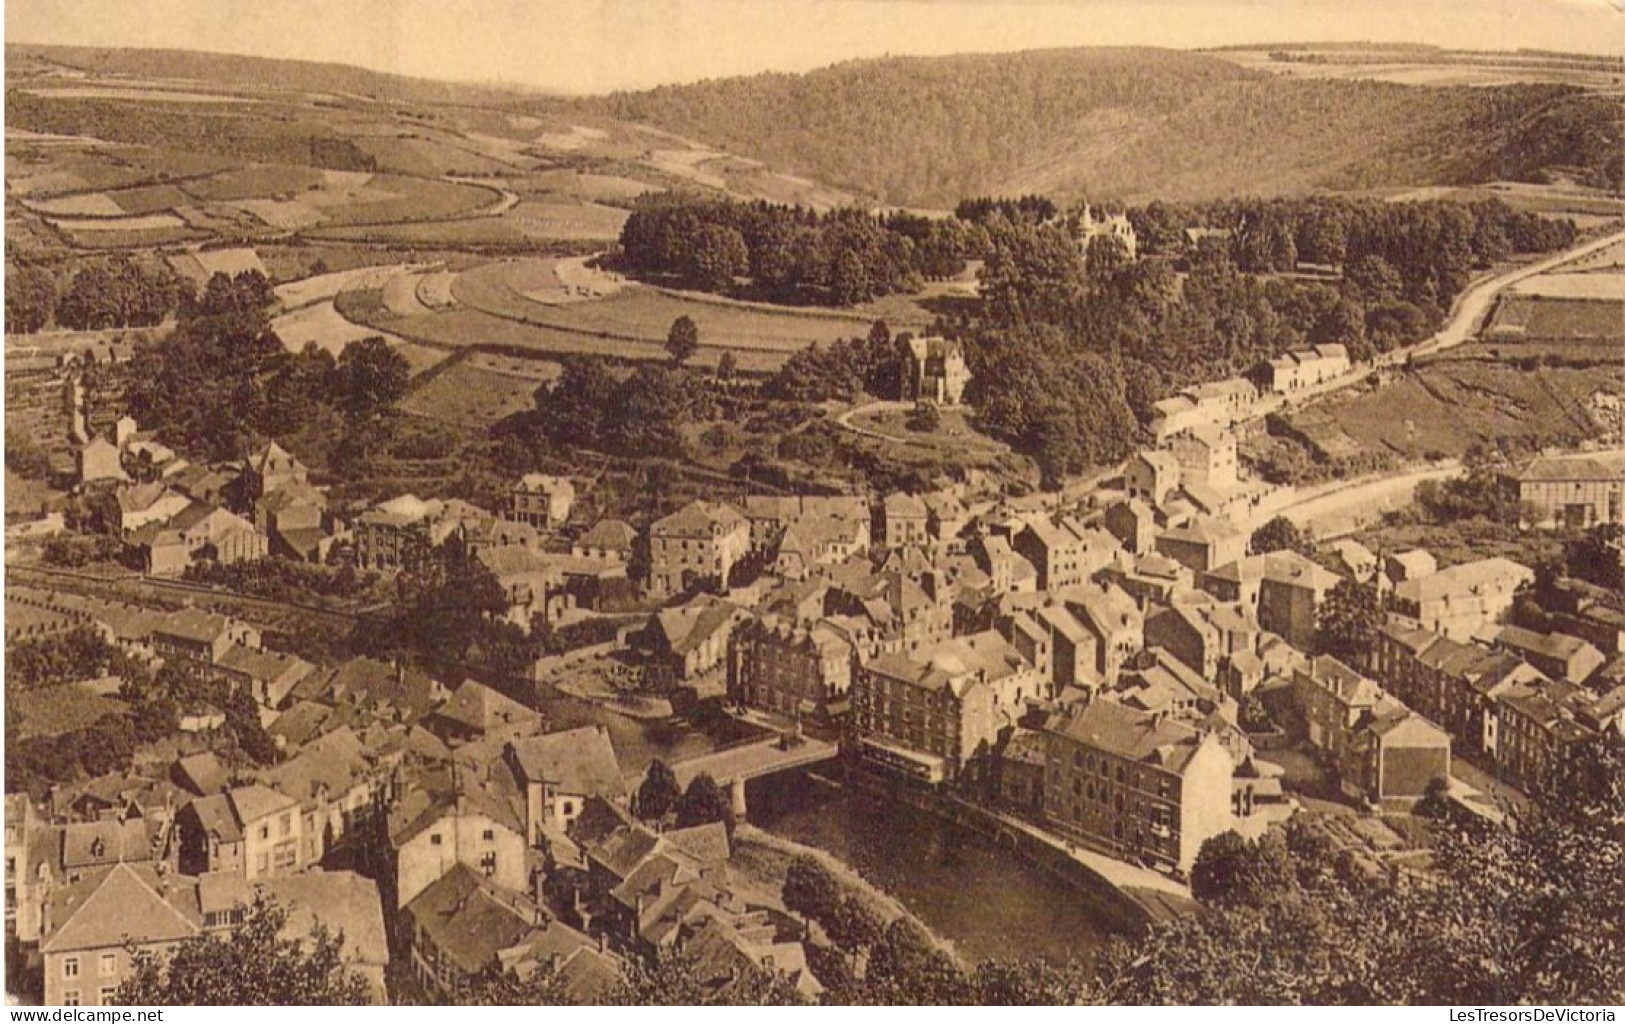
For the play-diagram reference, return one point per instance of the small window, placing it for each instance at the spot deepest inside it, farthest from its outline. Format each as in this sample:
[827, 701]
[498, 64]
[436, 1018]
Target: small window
[109, 965]
[489, 835]
[108, 992]
[434, 838]
[70, 997]
[70, 967]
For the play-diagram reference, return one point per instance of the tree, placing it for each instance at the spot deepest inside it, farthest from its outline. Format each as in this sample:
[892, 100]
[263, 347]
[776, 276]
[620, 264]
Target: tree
[24, 456]
[924, 418]
[683, 340]
[371, 378]
[1280, 534]
[682, 979]
[811, 890]
[1595, 556]
[252, 965]
[658, 793]
[704, 802]
[719, 256]
[1348, 622]
[727, 367]
[1231, 869]
[853, 926]
[30, 299]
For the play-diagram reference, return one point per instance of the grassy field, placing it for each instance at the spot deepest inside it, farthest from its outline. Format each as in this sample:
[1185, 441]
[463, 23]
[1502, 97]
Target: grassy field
[480, 389]
[1539, 318]
[645, 314]
[1445, 407]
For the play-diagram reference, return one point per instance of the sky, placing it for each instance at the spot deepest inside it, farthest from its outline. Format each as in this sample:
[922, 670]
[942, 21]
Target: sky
[590, 46]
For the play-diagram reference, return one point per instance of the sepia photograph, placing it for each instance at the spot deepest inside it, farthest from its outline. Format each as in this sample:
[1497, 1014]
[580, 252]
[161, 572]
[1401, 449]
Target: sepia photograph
[814, 503]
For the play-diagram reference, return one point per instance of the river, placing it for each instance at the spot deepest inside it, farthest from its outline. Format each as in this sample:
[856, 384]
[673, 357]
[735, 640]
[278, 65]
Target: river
[984, 899]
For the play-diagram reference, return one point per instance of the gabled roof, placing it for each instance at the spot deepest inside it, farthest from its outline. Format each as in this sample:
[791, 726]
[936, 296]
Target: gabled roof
[216, 817]
[1135, 735]
[480, 708]
[610, 535]
[466, 921]
[901, 503]
[1463, 579]
[688, 626]
[122, 905]
[700, 517]
[251, 803]
[579, 761]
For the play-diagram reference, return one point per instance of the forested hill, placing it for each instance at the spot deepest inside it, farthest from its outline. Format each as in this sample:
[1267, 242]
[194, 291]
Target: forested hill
[227, 69]
[1125, 124]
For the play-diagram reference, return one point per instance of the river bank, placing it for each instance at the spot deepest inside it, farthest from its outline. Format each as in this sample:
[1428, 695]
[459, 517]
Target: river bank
[1139, 896]
[764, 859]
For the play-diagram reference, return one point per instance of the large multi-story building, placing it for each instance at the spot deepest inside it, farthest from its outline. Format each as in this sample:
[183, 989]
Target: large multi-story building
[933, 370]
[1461, 601]
[542, 501]
[699, 544]
[1382, 751]
[1573, 493]
[789, 668]
[1137, 783]
[938, 714]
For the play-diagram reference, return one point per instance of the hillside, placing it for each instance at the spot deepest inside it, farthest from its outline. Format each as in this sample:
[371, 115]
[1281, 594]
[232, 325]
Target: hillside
[232, 70]
[1126, 124]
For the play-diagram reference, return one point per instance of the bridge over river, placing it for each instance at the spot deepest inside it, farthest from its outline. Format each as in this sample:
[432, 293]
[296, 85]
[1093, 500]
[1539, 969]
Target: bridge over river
[734, 765]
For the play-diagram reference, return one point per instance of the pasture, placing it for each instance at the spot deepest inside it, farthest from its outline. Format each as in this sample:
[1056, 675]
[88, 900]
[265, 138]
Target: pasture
[480, 389]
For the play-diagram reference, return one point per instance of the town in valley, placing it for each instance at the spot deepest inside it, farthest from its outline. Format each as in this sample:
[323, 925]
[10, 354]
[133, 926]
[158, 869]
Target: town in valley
[470, 545]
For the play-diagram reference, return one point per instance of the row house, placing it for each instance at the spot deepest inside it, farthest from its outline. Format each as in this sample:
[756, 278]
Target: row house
[1560, 656]
[1284, 588]
[557, 773]
[696, 546]
[342, 789]
[198, 641]
[1116, 624]
[1540, 728]
[1304, 367]
[1461, 601]
[797, 670]
[463, 928]
[250, 830]
[1382, 752]
[1136, 783]
[818, 539]
[937, 713]
[891, 611]
[1216, 404]
[1065, 554]
[1203, 636]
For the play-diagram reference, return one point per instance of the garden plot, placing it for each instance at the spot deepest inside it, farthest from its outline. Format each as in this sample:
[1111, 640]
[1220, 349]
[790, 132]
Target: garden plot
[434, 289]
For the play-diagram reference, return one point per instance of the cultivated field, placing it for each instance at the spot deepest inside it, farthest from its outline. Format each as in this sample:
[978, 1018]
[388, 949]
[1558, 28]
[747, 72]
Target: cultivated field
[480, 389]
[1445, 407]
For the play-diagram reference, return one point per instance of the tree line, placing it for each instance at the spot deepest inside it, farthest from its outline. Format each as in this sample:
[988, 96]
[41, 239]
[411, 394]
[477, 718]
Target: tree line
[1186, 312]
[223, 380]
[110, 293]
[790, 253]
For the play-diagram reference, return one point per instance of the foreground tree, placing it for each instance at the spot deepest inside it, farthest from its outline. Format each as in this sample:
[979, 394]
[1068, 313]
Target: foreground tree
[658, 793]
[252, 965]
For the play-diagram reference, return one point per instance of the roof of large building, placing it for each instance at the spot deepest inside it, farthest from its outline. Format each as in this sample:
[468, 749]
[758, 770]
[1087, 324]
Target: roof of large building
[1129, 733]
[466, 921]
[1569, 470]
[956, 664]
[1464, 579]
[476, 706]
[700, 517]
[124, 904]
